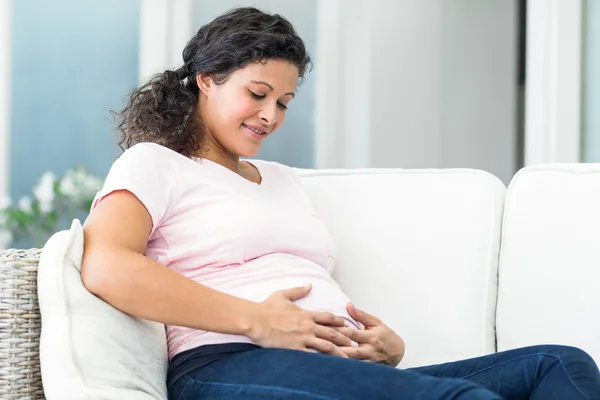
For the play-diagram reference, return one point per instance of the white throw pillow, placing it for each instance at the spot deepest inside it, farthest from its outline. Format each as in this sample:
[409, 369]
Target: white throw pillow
[88, 349]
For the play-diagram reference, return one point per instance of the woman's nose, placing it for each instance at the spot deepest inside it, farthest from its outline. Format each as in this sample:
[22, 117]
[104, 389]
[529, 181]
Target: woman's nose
[269, 115]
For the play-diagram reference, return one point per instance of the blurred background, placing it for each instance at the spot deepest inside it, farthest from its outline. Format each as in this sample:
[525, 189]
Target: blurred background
[488, 84]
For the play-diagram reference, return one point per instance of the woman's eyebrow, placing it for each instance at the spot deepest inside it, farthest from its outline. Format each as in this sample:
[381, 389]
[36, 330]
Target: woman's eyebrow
[271, 87]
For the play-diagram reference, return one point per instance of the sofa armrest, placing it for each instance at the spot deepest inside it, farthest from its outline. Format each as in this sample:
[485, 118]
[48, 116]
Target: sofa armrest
[20, 325]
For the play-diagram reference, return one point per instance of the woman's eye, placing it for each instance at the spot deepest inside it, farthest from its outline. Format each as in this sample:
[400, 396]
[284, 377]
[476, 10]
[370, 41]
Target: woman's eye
[256, 96]
[262, 96]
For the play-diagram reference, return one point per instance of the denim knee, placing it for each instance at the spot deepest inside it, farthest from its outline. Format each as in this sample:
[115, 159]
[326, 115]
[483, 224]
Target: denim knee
[568, 355]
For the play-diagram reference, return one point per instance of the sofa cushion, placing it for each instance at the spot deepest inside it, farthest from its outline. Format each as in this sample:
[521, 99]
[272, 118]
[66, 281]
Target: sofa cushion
[550, 259]
[88, 349]
[419, 249]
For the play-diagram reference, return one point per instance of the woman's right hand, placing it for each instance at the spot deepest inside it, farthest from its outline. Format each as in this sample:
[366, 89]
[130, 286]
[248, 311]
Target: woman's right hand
[282, 324]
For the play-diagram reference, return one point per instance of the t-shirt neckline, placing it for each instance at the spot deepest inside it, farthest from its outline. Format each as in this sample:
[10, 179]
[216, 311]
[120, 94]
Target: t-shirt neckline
[228, 172]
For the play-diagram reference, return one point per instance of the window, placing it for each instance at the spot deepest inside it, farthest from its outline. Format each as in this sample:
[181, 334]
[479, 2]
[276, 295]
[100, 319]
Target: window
[72, 62]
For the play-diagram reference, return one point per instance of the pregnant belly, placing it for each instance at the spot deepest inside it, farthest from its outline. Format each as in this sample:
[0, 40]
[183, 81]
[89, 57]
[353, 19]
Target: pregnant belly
[258, 279]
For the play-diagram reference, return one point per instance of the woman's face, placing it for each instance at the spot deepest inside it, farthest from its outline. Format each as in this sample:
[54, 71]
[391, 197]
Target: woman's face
[250, 105]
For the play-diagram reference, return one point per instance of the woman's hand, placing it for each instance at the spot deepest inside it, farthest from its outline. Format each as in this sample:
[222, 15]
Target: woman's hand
[280, 323]
[378, 342]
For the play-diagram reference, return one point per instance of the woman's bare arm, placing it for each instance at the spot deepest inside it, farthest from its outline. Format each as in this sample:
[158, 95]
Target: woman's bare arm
[115, 269]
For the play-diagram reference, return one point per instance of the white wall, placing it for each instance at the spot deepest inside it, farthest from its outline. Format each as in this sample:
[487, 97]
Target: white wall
[444, 88]
[406, 97]
[439, 88]
[479, 85]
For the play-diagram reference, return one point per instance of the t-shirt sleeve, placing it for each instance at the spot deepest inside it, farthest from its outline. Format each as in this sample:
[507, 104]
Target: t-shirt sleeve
[145, 171]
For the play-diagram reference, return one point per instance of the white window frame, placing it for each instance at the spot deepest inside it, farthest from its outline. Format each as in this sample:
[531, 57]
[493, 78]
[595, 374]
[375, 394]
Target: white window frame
[341, 100]
[5, 94]
[553, 87]
[165, 28]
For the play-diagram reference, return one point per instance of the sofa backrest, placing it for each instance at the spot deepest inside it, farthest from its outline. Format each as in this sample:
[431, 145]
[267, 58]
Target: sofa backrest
[419, 249]
[549, 290]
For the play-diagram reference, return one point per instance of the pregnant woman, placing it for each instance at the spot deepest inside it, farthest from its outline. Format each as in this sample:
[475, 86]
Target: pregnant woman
[232, 257]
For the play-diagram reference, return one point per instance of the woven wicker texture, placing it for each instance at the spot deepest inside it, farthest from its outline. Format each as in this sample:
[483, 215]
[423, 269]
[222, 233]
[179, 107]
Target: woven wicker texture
[20, 326]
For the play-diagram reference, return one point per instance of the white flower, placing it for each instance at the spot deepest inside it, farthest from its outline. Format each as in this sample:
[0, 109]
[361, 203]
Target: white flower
[92, 185]
[68, 186]
[44, 192]
[79, 185]
[25, 204]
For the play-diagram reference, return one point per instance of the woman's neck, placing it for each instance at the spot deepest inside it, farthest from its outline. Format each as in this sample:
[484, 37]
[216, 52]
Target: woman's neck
[216, 153]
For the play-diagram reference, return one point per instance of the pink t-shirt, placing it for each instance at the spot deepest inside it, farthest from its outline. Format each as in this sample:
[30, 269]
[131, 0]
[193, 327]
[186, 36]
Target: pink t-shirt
[223, 231]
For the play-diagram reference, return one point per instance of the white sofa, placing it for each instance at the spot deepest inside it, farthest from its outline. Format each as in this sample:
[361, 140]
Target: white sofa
[452, 260]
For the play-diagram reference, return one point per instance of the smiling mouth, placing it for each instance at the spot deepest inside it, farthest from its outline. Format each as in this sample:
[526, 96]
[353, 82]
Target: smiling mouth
[257, 131]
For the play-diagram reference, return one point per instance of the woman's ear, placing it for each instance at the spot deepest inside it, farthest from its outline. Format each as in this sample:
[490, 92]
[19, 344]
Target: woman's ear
[204, 82]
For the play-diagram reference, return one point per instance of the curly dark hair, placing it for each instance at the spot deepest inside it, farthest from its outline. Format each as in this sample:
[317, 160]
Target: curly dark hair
[164, 109]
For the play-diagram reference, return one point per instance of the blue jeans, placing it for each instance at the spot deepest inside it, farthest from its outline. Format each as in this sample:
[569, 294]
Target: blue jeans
[537, 373]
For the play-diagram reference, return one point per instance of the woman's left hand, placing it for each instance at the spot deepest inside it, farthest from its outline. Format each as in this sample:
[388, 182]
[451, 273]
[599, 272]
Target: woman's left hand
[377, 343]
